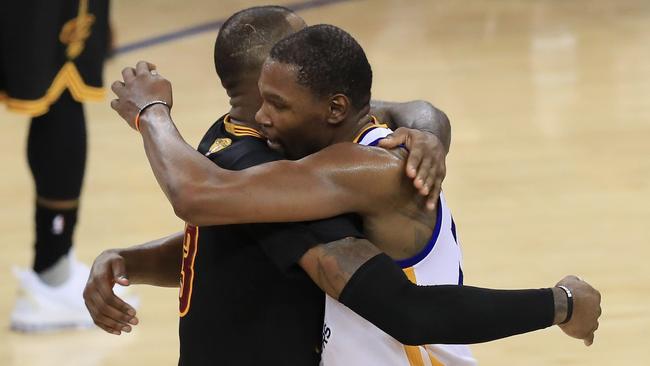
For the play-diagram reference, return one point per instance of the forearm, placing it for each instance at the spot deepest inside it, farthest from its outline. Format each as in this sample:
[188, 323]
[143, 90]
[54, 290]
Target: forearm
[179, 169]
[332, 265]
[413, 314]
[418, 114]
[203, 194]
[156, 262]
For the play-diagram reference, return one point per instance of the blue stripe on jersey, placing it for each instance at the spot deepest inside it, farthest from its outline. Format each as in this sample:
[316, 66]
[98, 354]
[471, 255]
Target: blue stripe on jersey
[409, 262]
[374, 143]
[453, 230]
[360, 137]
[460, 276]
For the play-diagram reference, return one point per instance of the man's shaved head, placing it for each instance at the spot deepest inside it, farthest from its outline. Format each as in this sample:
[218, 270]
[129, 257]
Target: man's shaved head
[246, 38]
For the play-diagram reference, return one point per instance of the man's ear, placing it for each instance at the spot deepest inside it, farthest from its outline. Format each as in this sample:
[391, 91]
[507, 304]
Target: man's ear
[339, 108]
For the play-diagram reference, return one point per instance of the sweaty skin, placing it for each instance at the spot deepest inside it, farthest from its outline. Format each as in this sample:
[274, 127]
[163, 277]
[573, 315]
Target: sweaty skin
[326, 268]
[339, 179]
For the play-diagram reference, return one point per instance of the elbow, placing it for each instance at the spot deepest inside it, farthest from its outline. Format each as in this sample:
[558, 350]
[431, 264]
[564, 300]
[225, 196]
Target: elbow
[182, 211]
[195, 203]
[183, 200]
[442, 121]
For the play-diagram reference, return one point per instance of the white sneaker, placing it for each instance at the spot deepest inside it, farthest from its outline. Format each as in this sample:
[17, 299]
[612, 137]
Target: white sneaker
[42, 308]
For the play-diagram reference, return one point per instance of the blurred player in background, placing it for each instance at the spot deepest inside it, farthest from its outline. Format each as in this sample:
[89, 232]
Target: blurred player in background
[51, 60]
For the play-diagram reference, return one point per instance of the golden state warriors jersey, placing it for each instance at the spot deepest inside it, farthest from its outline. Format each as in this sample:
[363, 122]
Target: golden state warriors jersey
[349, 339]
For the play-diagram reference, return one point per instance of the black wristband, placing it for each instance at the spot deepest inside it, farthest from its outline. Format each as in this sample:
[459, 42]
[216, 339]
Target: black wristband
[569, 308]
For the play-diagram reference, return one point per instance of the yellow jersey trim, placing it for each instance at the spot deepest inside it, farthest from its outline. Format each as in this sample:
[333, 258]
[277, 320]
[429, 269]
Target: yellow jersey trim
[74, 34]
[414, 353]
[374, 124]
[67, 78]
[239, 130]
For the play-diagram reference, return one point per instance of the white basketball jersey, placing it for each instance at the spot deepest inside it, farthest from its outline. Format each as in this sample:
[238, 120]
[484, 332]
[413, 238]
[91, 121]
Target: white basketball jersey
[349, 339]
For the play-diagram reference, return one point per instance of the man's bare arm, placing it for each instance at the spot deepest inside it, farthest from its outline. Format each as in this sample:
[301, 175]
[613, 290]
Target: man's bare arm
[156, 263]
[418, 114]
[184, 175]
[321, 185]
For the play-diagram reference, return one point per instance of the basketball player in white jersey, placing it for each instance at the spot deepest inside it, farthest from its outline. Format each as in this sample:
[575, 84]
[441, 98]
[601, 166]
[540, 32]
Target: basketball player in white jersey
[297, 117]
[346, 335]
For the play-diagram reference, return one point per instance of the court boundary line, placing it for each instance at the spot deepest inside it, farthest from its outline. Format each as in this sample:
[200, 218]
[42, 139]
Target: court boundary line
[206, 27]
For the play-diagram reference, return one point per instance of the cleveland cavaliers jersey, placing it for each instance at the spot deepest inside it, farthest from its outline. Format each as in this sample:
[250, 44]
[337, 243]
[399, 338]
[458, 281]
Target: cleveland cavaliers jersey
[243, 298]
[349, 339]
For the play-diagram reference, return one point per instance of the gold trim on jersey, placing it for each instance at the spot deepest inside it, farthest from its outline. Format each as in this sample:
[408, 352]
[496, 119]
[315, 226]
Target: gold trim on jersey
[413, 353]
[67, 78]
[239, 130]
[75, 31]
[372, 125]
[74, 34]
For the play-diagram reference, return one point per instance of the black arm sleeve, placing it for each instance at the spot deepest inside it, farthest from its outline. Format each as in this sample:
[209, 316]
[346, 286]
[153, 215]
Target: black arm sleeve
[285, 244]
[447, 314]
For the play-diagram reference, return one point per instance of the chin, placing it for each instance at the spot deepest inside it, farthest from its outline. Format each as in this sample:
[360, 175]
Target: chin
[275, 146]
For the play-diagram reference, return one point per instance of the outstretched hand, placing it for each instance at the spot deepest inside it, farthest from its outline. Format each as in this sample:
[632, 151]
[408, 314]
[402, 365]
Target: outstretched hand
[108, 311]
[140, 86]
[425, 163]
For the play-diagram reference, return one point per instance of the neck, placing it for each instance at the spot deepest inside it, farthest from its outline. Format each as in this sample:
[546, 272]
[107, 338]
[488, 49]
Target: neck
[352, 126]
[243, 116]
[244, 103]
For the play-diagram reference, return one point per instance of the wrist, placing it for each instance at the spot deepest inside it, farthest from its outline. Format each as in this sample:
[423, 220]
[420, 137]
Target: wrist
[569, 298]
[561, 305]
[152, 113]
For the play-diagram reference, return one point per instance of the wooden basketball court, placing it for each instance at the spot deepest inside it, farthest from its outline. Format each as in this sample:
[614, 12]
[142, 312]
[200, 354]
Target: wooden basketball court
[549, 172]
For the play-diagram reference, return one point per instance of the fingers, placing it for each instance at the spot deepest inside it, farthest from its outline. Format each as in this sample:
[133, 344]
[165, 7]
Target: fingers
[106, 312]
[434, 196]
[424, 164]
[108, 325]
[117, 87]
[144, 67]
[401, 137]
[115, 103]
[392, 141]
[119, 272]
[425, 172]
[128, 74]
[412, 163]
[122, 281]
[116, 308]
[589, 340]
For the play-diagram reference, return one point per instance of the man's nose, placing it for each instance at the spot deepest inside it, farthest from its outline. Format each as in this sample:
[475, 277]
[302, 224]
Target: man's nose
[261, 118]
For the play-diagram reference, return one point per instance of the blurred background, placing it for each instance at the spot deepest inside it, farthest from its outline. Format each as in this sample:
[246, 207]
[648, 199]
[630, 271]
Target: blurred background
[548, 174]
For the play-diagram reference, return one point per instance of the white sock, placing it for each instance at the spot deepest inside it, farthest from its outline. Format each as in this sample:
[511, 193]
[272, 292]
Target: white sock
[58, 273]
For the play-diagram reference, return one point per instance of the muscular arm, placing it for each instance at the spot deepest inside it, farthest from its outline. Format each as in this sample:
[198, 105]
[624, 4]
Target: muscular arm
[417, 114]
[156, 262]
[368, 282]
[321, 185]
